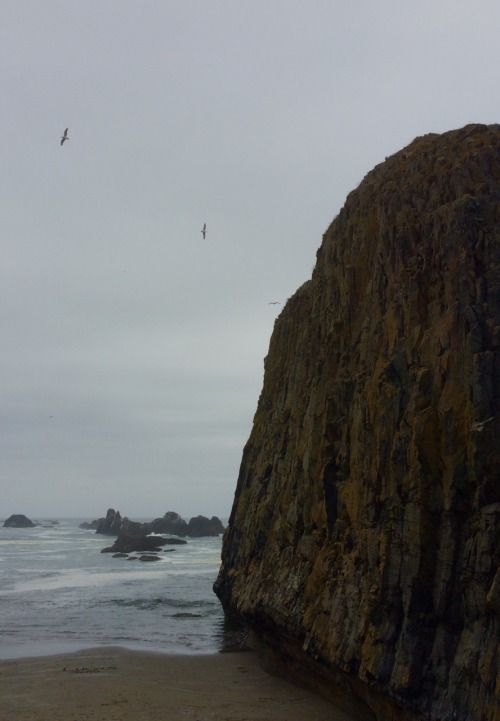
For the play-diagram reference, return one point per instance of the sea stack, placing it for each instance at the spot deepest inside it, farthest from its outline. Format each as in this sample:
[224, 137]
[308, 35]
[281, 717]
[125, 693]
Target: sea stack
[362, 546]
[18, 520]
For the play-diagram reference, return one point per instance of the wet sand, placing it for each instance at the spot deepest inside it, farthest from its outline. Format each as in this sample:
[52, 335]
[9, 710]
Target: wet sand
[114, 684]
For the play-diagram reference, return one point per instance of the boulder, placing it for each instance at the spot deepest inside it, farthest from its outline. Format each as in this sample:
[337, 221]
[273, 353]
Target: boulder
[18, 520]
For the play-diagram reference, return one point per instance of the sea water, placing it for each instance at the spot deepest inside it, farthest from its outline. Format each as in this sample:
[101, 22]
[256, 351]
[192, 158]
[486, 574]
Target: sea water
[59, 593]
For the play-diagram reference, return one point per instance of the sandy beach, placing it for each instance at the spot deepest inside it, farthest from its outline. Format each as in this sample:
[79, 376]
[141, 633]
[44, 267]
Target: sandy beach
[114, 684]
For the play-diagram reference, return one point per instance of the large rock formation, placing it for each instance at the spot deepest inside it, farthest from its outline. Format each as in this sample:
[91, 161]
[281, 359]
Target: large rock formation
[114, 524]
[363, 540]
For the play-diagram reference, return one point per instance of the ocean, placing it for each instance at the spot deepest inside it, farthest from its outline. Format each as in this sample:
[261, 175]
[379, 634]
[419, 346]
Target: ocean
[59, 593]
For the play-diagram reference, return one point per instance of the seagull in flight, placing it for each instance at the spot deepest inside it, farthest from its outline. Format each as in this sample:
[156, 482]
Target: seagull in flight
[65, 136]
[204, 231]
[274, 302]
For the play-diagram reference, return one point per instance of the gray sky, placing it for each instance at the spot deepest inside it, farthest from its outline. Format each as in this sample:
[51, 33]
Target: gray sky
[132, 349]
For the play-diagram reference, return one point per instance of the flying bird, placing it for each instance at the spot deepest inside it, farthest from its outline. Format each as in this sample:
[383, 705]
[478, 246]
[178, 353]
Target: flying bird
[65, 136]
[274, 302]
[204, 231]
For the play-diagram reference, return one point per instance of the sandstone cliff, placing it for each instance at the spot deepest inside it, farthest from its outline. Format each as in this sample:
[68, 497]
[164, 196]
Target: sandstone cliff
[363, 540]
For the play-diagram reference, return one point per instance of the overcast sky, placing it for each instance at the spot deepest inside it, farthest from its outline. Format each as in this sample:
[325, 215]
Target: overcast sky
[132, 348]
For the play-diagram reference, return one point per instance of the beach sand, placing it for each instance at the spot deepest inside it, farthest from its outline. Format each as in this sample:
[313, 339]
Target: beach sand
[114, 684]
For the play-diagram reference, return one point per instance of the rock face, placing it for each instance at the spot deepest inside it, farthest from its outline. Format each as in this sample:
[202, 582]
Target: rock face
[18, 520]
[363, 539]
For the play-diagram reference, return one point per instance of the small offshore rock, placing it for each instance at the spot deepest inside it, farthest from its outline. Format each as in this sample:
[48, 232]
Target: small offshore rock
[186, 615]
[175, 542]
[89, 526]
[18, 520]
[128, 543]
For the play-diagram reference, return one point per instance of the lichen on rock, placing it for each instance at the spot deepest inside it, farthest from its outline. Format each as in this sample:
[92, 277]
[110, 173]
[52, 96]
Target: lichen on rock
[363, 539]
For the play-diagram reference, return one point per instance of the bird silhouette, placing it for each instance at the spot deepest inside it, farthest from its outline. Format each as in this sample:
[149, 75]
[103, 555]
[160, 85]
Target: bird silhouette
[204, 230]
[274, 302]
[65, 136]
